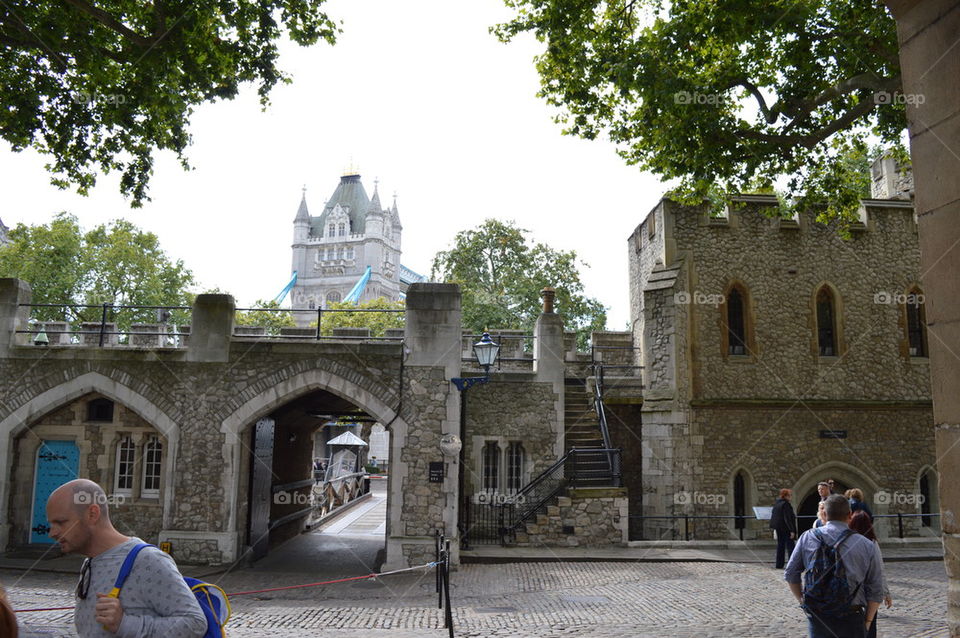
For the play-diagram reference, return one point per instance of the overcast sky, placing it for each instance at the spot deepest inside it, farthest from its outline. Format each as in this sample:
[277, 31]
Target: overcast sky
[423, 98]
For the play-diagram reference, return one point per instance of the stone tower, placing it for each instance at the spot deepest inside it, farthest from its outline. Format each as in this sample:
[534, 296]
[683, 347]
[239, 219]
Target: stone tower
[331, 252]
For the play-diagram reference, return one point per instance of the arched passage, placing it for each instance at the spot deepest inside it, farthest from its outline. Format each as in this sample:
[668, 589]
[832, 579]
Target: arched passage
[294, 394]
[844, 475]
[62, 394]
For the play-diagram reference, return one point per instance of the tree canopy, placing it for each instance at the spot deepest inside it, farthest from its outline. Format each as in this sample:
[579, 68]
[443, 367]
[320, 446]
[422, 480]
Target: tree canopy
[720, 93]
[115, 264]
[501, 273]
[102, 85]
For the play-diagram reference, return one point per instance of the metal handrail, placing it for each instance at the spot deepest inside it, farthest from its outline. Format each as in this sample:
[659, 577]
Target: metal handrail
[601, 412]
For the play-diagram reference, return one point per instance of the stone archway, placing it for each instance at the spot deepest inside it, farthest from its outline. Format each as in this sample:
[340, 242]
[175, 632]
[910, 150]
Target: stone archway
[42, 403]
[291, 389]
[845, 475]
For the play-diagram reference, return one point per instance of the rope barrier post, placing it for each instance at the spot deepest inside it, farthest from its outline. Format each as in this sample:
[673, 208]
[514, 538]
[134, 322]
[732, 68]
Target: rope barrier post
[448, 614]
[438, 546]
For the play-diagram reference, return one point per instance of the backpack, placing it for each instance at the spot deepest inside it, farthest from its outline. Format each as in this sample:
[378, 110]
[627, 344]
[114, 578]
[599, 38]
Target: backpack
[213, 600]
[826, 592]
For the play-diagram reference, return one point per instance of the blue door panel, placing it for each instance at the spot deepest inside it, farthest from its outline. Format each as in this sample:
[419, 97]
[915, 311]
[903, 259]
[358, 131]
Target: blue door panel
[57, 463]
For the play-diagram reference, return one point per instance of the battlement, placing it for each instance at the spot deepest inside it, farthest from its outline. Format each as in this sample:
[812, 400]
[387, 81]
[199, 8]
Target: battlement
[671, 226]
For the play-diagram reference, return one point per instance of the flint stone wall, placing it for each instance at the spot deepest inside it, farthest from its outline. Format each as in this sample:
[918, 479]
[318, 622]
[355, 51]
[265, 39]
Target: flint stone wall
[595, 516]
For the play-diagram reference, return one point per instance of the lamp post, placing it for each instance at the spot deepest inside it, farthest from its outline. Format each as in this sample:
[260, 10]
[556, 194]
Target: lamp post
[486, 351]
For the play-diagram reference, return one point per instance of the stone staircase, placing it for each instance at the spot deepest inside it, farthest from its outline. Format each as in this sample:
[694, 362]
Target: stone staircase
[582, 429]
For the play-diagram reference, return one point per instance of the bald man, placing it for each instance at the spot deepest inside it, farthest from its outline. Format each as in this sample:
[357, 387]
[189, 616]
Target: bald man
[154, 601]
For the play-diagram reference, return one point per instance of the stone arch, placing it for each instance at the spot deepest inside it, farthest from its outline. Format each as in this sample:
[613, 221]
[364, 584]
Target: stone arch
[844, 473]
[42, 403]
[289, 389]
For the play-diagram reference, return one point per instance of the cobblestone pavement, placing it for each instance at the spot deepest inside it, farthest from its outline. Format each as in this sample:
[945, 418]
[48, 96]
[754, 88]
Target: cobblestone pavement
[540, 600]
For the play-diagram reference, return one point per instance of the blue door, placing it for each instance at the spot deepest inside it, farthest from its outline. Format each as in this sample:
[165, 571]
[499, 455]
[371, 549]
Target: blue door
[57, 463]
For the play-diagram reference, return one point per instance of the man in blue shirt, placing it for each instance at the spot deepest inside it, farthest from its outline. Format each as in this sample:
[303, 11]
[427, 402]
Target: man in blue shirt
[861, 559]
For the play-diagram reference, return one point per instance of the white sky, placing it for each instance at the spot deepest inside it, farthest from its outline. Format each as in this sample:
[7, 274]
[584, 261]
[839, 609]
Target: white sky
[416, 94]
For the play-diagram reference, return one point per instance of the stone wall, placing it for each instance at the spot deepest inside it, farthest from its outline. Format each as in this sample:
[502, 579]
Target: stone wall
[133, 512]
[586, 517]
[885, 450]
[512, 407]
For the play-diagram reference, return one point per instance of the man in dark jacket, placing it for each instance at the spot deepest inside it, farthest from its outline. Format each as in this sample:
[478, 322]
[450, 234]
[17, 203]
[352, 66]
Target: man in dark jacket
[784, 522]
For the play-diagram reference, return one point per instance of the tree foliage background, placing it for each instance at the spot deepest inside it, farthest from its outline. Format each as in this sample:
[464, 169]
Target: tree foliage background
[115, 264]
[501, 272]
[719, 94]
[103, 85]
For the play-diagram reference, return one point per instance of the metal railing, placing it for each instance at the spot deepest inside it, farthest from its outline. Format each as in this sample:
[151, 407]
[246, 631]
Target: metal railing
[494, 518]
[688, 523]
[169, 326]
[514, 348]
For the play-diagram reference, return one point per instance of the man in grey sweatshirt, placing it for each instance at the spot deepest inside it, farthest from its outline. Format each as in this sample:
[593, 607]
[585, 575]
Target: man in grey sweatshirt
[154, 602]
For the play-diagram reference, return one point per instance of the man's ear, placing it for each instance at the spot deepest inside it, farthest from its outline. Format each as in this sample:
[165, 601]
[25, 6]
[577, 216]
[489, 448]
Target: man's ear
[92, 515]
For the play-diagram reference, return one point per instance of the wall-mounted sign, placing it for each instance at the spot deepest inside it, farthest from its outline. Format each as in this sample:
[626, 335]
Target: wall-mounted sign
[436, 471]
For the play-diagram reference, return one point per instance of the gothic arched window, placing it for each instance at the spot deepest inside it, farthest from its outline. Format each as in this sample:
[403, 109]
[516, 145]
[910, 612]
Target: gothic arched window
[341, 229]
[736, 323]
[916, 323]
[739, 501]
[152, 453]
[333, 297]
[826, 322]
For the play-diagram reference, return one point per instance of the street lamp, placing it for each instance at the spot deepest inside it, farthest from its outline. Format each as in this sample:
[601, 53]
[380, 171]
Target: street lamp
[485, 351]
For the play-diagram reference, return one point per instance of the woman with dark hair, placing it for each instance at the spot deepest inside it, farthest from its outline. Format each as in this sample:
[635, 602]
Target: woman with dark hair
[860, 523]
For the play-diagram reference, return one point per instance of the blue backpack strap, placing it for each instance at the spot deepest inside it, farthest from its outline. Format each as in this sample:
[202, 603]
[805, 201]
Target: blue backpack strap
[126, 568]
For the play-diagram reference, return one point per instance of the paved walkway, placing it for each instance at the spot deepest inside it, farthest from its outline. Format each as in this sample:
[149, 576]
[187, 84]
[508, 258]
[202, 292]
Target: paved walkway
[702, 590]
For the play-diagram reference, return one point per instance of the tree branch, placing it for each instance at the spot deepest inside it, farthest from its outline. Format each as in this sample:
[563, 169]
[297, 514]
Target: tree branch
[813, 138]
[110, 22]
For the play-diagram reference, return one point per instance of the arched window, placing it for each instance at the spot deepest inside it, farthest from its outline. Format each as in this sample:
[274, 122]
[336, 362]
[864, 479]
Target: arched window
[332, 230]
[333, 297]
[826, 323]
[515, 458]
[926, 495]
[491, 466]
[341, 229]
[739, 501]
[916, 323]
[123, 472]
[152, 453]
[736, 323]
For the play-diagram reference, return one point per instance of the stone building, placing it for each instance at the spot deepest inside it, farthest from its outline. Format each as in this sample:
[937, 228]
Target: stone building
[333, 251]
[778, 354]
[3, 234]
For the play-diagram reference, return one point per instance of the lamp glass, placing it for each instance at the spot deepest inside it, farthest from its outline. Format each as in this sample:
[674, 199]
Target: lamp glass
[486, 350]
[450, 444]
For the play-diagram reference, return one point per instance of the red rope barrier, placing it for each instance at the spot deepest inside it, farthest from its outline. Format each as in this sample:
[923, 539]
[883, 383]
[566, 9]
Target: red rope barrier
[252, 591]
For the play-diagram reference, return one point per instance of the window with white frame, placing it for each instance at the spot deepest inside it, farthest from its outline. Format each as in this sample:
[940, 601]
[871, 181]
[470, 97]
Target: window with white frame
[342, 230]
[331, 230]
[123, 477]
[152, 453]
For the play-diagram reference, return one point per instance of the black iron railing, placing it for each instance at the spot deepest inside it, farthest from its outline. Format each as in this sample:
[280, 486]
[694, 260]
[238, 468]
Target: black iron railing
[495, 518]
[684, 526]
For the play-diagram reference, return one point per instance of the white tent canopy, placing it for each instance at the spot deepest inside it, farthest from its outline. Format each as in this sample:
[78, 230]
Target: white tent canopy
[347, 438]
